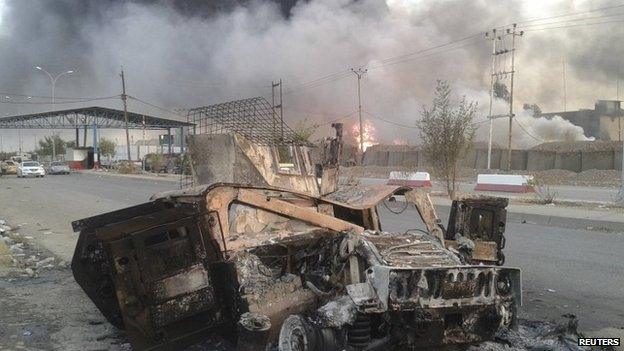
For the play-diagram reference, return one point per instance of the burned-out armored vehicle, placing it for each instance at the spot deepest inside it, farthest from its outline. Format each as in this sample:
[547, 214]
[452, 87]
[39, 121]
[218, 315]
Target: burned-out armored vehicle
[267, 250]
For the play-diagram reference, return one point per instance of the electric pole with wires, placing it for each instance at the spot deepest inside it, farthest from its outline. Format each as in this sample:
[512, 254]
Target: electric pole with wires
[359, 73]
[514, 34]
[496, 76]
[493, 38]
[124, 98]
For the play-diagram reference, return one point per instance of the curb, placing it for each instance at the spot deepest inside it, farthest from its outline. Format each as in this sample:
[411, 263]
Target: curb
[131, 176]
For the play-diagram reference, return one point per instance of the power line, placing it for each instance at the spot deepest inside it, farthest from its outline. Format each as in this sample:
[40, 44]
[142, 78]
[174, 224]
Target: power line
[384, 63]
[424, 56]
[153, 105]
[571, 20]
[528, 133]
[388, 121]
[569, 14]
[408, 56]
[574, 25]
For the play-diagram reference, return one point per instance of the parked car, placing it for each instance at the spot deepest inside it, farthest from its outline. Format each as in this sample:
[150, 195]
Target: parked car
[30, 168]
[58, 167]
[9, 167]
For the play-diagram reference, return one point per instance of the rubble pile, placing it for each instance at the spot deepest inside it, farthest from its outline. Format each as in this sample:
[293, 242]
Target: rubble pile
[538, 335]
[19, 258]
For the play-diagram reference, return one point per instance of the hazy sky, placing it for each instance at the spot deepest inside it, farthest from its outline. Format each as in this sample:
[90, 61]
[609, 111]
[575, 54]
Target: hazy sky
[183, 56]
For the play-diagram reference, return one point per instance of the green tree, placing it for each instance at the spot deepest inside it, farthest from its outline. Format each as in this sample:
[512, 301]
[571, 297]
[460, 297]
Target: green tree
[6, 155]
[155, 162]
[304, 130]
[107, 147]
[45, 145]
[533, 108]
[446, 131]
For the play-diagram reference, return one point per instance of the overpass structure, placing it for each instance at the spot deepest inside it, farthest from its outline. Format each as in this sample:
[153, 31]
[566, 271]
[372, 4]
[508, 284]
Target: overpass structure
[91, 117]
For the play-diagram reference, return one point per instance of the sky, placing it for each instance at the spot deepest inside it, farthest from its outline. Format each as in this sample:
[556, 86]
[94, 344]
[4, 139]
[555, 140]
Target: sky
[201, 53]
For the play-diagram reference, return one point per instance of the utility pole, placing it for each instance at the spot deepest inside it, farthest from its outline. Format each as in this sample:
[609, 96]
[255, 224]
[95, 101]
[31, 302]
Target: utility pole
[565, 88]
[513, 34]
[359, 73]
[278, 106]
[620, 196]
[124, 98]
[617, 98]
[493, 39]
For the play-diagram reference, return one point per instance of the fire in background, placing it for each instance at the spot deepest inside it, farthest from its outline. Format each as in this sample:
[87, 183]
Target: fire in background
[368, 134]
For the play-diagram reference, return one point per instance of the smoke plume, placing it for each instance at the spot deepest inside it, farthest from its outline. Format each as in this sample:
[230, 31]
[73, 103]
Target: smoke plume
[205, 52]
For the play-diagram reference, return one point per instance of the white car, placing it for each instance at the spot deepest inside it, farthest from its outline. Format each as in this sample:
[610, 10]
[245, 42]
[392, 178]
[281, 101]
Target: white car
[58, 168]
[30, 168]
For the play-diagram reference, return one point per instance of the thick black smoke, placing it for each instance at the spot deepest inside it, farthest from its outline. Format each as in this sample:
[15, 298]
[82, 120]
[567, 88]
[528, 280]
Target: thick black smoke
[186, 54]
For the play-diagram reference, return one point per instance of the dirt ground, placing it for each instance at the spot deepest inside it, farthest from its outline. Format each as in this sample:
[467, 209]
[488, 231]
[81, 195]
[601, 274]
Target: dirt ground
[50, 312]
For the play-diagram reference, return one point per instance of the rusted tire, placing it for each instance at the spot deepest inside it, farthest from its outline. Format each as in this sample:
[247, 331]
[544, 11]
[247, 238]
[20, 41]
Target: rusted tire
[296, 335]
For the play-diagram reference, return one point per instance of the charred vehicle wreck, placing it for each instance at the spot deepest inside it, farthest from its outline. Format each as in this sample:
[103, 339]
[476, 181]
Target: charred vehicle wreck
[270, 251]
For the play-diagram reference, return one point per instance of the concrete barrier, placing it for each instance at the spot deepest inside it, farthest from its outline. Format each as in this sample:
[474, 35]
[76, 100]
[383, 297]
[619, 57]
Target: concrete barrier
[540, 160]
[597, 160]
[518, 160]
[411, 179]
[570, 161]
[504, 182]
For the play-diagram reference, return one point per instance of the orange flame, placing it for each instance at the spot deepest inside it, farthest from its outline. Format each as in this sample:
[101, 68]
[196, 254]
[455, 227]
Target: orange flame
[399, 142]
[368, 134]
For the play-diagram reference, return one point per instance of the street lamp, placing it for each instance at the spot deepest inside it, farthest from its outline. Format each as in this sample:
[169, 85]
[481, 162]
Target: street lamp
[53, 80]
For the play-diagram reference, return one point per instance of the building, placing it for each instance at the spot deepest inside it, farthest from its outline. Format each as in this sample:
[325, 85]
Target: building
[604, 122]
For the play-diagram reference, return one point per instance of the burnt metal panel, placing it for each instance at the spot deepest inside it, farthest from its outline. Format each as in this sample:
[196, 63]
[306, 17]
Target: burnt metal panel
[362, 196]
[478, 218]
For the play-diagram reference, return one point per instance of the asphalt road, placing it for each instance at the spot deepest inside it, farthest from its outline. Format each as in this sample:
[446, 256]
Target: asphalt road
[45, 207]
[564, 271]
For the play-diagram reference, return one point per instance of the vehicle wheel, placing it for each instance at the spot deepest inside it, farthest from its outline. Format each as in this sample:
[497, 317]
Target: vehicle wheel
[296, 335]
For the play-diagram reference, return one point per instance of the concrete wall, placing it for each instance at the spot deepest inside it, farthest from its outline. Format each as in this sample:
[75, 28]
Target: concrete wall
[518, 159]
[540, 160]
[481, 159]
[597, 160]
[571, 161]
[531, 160]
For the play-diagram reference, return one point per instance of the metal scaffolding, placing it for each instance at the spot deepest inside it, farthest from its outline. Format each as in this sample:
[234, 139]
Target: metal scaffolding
[253, 118]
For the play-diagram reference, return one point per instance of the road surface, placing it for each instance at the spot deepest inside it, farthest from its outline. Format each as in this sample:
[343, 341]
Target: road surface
[564, 271]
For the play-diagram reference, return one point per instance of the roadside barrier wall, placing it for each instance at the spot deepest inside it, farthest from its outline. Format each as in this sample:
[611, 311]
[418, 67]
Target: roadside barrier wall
[524, 160]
